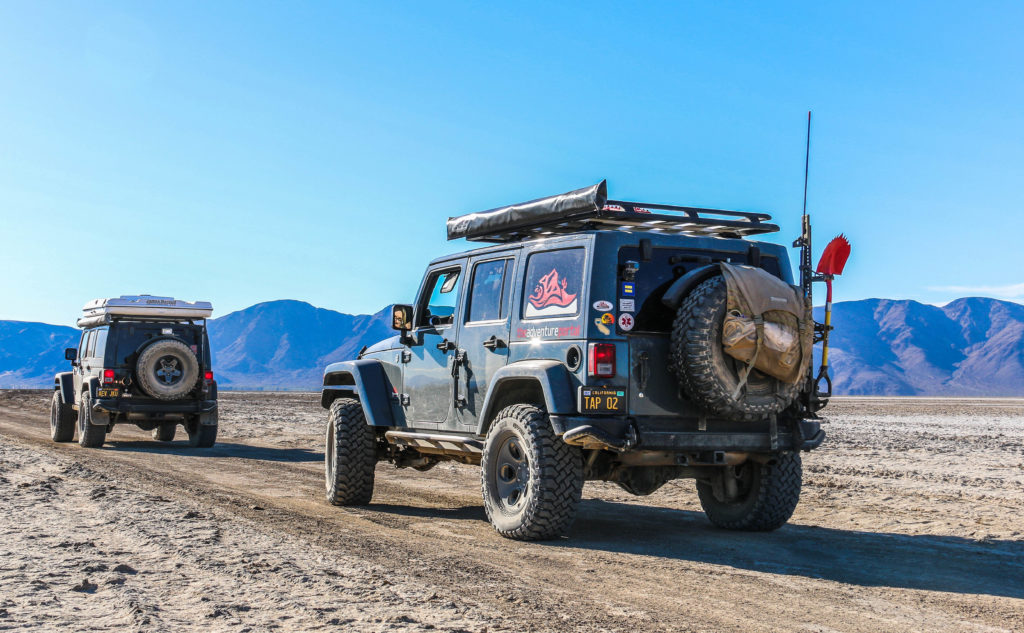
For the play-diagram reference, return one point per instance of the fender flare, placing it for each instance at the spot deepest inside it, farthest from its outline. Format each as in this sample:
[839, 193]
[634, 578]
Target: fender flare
[364, 380]
[682, 286]
[64, 382]
[550, 375]
[92, 384]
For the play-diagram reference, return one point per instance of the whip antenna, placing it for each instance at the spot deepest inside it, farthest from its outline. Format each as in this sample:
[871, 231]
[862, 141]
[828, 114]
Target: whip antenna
[807, 159]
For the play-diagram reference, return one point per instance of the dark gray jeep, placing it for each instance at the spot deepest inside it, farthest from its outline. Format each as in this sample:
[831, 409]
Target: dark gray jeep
[141, 360]
[595, 340]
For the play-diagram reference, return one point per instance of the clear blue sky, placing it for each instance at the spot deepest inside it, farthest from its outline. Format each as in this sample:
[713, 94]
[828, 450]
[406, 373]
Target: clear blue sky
[255, 151]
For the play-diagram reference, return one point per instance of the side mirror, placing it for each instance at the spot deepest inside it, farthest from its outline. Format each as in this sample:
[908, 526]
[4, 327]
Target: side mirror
[71, 354]
[401, 317]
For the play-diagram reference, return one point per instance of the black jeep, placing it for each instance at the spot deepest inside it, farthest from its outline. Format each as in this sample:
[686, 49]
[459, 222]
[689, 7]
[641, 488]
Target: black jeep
[141, 360]
[597, 340]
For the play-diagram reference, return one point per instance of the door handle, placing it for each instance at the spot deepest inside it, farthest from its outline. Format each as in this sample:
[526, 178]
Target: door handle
[494, 343]
[445, 345]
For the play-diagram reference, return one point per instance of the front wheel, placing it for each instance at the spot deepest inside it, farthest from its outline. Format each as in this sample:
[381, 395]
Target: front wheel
[90, 435]
[752, 496]
[350, 456]
[532, 481]
[62, 419]
[164, 432]
[203, 435]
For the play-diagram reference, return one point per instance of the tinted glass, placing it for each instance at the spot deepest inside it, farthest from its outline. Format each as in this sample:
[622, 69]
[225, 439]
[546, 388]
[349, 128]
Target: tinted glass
[100, 346]
[554, 281]
[487, 298]
[90, 343]
[443, 293]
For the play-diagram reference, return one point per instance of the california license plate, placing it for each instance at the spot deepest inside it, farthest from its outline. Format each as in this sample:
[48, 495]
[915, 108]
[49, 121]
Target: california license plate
[602, 400]
[107, 393]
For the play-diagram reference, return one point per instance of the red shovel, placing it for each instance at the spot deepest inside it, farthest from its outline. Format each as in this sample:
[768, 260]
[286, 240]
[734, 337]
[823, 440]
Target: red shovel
[832, 262]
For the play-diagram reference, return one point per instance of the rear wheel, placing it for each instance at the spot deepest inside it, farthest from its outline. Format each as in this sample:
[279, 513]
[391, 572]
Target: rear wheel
[90, 435]
[532, 481]
[202, 435]
[763, 497]
[62, 419]
[350, 455]
[165, 431]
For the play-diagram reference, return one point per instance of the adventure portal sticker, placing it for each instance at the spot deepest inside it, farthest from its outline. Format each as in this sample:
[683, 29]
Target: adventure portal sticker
[627, 305]
[626, 322]
[603, 306]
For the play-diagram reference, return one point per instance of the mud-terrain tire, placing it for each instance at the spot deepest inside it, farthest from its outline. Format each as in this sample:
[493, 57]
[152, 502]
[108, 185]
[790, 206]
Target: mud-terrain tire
[350, 456]
[707, 375]
[164, 432]
[89, 435]
[532, 481]
[768, 495]
[202, 435]
[62, 419]
[167, 369]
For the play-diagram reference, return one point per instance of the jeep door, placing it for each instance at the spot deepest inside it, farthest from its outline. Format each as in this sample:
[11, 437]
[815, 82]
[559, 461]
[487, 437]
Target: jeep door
[76, 373]
[427, 377]
[484, 334]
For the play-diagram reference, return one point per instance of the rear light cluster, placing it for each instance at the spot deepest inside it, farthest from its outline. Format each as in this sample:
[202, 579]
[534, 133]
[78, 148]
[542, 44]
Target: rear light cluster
[108, 376]
[208, 376]
[601, 360]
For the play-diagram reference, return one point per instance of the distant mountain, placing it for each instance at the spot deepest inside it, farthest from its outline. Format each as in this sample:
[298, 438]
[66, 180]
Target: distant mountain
[287, 344]
[31, 353]
[970, 347]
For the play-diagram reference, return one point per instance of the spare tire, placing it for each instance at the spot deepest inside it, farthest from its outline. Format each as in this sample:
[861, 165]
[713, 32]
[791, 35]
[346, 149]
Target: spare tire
[707, 375]
[167, 369]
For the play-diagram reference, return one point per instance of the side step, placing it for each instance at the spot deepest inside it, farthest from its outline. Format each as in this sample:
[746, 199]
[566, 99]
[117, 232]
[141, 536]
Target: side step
[436, 443]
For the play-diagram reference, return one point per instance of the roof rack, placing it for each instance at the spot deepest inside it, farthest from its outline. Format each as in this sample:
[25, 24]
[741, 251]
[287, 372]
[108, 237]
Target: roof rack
[590, 209]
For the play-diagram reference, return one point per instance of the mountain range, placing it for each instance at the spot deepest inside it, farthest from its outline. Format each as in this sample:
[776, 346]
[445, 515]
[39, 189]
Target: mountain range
[969, 347]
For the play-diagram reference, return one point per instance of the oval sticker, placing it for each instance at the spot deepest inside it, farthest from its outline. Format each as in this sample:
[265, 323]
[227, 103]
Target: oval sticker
[603, 306]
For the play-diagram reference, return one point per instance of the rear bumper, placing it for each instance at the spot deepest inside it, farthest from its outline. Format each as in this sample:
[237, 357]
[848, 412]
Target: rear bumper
[803, 435]
[120, 405]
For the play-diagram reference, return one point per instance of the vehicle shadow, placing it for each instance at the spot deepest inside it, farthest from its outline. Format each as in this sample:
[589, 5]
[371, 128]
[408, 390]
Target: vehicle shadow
[462, 513]
[220, 449]
[870, 559]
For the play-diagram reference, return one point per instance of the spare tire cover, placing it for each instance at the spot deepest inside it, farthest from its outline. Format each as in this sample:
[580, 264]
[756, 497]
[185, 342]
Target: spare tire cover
[707, 375]
[167, 369]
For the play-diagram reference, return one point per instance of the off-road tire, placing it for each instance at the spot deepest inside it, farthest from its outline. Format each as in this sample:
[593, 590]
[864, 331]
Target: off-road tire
[766, 504]
[202, 435]
[62, 419]
[546, 505]
[89, 435]
[151, 361]
[350, 456]
[707, 375]
[164, 432]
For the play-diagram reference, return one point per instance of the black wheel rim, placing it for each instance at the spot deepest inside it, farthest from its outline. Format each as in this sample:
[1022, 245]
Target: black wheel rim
[511, 472]
[168, 370]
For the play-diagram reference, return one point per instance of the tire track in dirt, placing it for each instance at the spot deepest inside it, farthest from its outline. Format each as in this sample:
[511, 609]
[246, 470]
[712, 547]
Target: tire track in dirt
[626, 566]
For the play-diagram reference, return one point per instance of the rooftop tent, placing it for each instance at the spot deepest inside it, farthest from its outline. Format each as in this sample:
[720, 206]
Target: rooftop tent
[590, 209]
[99, 311]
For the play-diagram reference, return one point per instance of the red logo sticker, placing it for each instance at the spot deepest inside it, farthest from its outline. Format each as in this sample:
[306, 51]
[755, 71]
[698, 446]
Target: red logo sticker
[551, 297]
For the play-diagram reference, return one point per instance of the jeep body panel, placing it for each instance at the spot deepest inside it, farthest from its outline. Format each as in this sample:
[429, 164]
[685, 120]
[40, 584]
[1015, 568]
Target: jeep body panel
[367, 381]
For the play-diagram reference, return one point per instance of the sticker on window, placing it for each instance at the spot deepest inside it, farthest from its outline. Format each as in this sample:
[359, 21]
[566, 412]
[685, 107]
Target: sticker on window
[555, 278]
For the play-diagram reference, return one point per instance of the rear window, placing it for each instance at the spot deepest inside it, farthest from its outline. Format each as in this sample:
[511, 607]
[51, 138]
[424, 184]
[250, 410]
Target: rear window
[554, 283]
[129, 337]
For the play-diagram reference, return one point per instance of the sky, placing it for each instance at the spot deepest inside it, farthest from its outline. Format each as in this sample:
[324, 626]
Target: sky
[246, 152]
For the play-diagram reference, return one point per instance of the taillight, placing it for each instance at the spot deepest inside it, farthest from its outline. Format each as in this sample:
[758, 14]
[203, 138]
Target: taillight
[208, 376]
[602, 360]
[108, 376]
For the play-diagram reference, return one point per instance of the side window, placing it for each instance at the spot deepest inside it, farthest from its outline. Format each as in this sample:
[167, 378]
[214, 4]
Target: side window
[87, 350]
[100, 345]
[83, 345]
[442, 293]
[488, 300]
[554, 280]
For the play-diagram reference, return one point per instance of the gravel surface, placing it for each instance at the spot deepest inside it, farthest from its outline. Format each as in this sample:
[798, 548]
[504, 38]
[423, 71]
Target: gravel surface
[912, 519]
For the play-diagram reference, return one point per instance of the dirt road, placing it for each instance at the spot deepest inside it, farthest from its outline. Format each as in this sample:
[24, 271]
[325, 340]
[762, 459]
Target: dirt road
[912, 519]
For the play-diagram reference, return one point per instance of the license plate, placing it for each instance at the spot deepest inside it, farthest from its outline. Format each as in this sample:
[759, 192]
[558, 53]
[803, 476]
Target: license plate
[107, 393]
[602, 400]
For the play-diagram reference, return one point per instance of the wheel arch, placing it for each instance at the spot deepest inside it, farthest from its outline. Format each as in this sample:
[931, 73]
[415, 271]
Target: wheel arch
[65, 383]
[544, 382]
[364, 380]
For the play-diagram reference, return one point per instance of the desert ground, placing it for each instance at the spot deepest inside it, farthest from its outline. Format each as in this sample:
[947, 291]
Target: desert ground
[912, 519]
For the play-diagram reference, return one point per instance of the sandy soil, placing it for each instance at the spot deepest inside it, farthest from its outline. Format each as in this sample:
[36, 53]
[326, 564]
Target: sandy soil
[912, 519]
